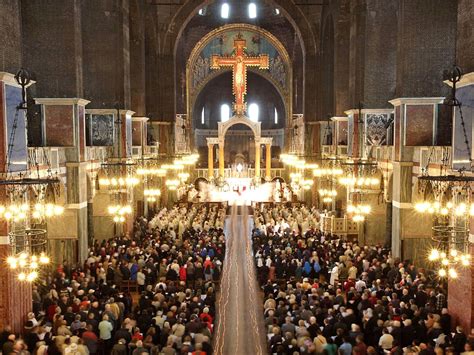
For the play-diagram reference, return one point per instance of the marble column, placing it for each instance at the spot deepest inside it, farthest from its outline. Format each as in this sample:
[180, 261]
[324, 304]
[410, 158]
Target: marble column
[354, 133]
[210, 161]
[257, 157]
[211, 142]
[414, 125]
[15, 296]
[267, 141]
[139, 143]
[221, 159]
[121, 142]
[268, 162]
[64, 126]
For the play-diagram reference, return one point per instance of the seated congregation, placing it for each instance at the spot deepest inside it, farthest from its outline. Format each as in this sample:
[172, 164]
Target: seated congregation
[174, 262]
[324, 295]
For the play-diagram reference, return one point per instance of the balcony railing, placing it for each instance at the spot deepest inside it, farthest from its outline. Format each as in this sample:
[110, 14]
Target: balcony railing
[339, 226]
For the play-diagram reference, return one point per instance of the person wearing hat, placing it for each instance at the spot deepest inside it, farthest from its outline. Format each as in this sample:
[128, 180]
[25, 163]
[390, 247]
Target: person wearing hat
[90, 339]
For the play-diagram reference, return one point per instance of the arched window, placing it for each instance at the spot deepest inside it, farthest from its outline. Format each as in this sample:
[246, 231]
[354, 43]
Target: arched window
[253, 112]
[225, 9]
[202, 116]
[225, 112]
[252, 10]
[276, 116]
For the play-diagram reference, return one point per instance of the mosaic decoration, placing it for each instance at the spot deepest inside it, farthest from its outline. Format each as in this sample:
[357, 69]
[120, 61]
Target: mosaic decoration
[223, 45]
[278, 70]
[376, 128]
[201, 70]
[100, 130]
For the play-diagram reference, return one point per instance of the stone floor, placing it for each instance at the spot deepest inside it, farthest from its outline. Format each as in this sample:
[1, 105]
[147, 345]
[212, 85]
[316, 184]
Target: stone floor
[239, 326]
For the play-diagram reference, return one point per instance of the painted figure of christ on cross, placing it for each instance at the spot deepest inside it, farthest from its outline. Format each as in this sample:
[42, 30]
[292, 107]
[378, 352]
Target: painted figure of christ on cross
[239, 63]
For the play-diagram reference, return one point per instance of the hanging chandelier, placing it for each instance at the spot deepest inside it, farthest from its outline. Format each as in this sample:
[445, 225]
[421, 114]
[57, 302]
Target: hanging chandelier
[152, 194]
[119, 182]
[118, 175]
[151, 171]
[297, 182]
[27, 265]
[119, 212]
[327, 195]
[31, 194]
[360, 174]
[358, 212]
[448, 199]
[172, 184]
[327, 172]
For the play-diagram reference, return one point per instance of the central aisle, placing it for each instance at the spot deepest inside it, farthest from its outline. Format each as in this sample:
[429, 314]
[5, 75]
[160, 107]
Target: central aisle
[240, 328]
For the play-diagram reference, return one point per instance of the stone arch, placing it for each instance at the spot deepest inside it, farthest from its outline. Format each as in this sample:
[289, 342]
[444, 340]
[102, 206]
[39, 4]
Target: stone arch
[223, 127]
[292, 12]
[295, 17]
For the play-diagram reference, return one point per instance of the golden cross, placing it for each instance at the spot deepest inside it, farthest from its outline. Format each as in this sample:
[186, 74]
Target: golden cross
[239, 63]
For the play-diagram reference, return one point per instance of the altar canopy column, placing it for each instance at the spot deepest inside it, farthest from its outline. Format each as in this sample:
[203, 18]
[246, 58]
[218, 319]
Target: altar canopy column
[211, 142]
[64, 126]
[15, 296]
[257, 157]
[210, 161]
[268, 162]
[268, 156]
[221, 159]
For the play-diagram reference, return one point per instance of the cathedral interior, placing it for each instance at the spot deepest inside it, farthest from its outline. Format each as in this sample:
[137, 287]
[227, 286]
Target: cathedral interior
[140, 135]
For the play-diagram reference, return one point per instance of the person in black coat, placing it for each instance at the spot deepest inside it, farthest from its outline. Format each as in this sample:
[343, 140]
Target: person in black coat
[407, 333]
[459, 340]
[123, 333]
[445, 321]
[31, 336]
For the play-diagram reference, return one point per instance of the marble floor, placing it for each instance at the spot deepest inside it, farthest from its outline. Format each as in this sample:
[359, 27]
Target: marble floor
[239, 327]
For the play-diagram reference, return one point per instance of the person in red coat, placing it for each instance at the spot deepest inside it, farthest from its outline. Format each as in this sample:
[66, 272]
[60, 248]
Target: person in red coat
[182, 273]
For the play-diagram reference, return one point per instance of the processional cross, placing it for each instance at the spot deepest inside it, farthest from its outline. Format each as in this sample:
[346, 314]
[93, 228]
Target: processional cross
[239, 63]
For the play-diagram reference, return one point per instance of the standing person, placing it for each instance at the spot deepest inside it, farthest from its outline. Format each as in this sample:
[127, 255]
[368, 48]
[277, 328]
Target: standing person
[334, 275]
[386, 340]
[141, 278]
[105, 333]
[90, 339]
[359, 348]
[346, 346]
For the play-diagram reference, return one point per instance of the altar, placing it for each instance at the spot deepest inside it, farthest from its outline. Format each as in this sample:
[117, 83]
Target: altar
[241, 191]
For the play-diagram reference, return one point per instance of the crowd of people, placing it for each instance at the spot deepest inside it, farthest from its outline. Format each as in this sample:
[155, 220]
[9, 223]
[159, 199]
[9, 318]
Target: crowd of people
[325, 295]
[322, 294]
[174, 261]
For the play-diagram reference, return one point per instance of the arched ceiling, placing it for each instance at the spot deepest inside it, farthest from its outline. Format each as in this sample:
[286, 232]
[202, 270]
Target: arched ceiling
[279, 25]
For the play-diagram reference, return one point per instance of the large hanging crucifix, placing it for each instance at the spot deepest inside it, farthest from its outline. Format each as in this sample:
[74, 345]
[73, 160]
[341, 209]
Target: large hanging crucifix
[239, 63]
